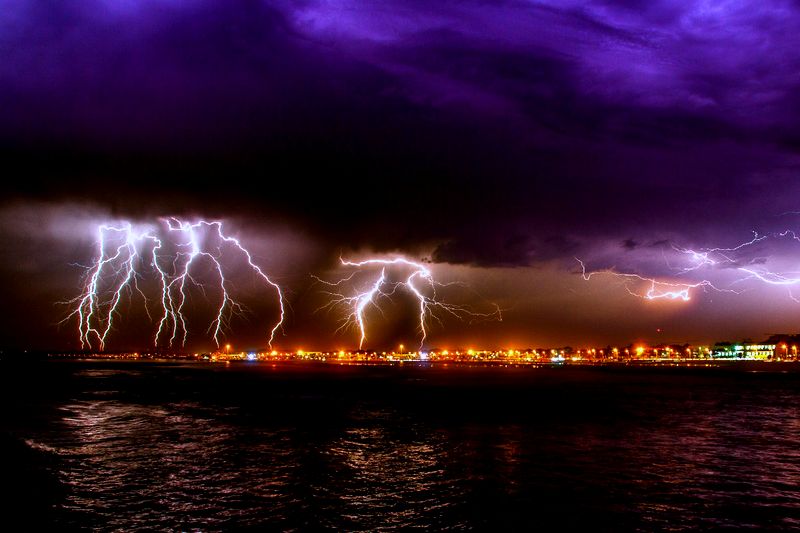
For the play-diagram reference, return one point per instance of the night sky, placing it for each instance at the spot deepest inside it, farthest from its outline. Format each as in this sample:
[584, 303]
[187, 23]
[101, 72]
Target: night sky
[497, 141]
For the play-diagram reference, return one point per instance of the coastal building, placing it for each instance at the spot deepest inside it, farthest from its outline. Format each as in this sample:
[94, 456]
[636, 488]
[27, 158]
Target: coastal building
[743, 351]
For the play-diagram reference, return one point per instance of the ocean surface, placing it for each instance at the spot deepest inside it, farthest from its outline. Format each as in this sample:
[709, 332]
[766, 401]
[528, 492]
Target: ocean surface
[167, 446]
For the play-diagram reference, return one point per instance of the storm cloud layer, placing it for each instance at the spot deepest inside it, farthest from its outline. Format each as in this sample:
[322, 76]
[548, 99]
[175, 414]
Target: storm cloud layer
[487, 136]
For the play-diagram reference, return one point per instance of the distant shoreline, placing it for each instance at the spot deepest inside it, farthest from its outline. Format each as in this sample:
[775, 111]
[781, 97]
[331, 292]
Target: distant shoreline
[713, 364]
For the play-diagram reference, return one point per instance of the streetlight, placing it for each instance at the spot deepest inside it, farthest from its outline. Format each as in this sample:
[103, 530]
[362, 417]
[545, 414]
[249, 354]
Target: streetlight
[227, 349]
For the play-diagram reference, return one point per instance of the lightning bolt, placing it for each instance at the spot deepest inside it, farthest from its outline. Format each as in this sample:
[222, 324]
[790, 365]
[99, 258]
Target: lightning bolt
[116, 263]
[120, 250]
[705, 258]
[656, 289]
[419, 283]
[712, 257]
[716, 257]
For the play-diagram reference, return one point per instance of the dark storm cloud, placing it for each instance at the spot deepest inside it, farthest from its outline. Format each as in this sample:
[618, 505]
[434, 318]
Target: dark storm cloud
[630, 244]
[658, 126]
[480, 133]
[654, 136]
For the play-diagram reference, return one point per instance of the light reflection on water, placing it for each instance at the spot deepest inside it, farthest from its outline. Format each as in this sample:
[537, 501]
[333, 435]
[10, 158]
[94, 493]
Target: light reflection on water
[171, 465]
[188, 448]
[398, 478]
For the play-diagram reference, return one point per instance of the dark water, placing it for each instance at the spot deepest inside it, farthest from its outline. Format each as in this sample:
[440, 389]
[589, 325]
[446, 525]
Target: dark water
[125, 446]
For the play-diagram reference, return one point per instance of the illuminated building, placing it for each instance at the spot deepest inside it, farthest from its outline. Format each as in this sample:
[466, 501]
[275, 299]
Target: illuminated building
[743, 351]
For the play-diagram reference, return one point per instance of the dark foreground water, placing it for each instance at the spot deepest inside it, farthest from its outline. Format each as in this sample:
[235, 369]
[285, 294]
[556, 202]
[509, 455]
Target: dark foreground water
[125, 446]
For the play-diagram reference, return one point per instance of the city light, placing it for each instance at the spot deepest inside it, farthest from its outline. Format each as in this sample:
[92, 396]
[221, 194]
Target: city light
[660, 353]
